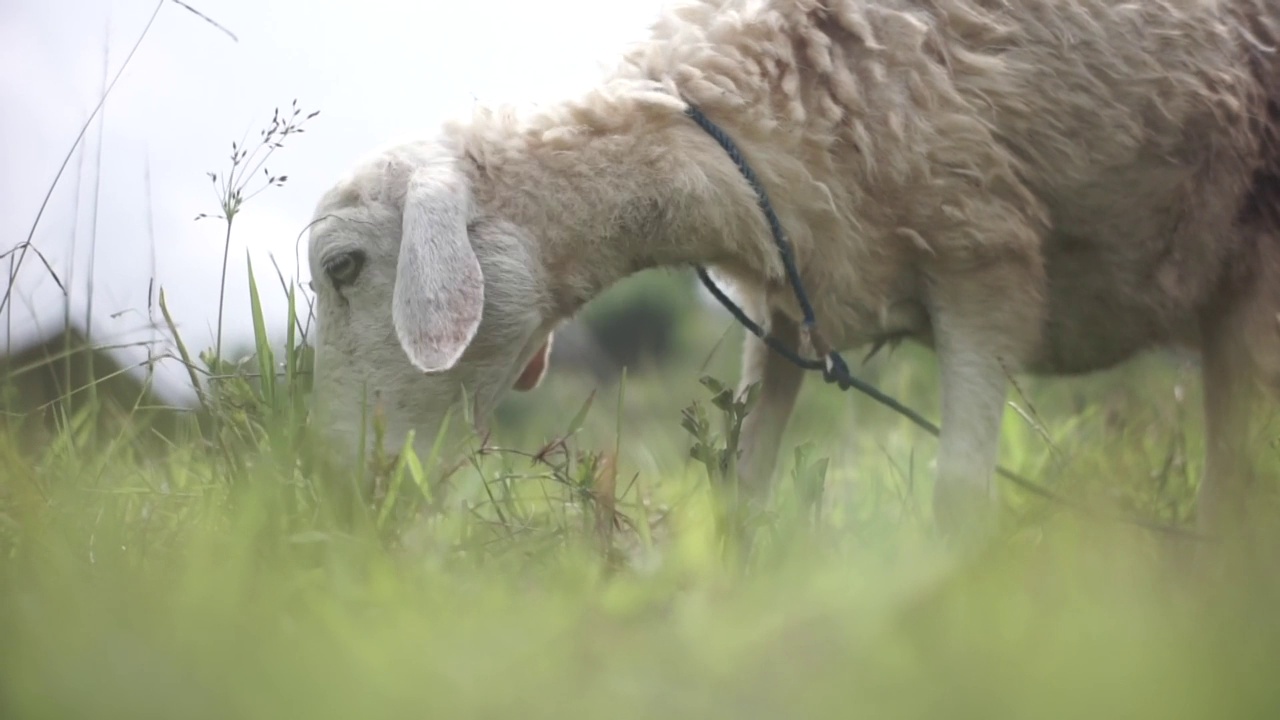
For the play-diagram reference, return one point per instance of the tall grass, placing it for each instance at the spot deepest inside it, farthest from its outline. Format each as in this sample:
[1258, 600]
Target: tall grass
[585, 576]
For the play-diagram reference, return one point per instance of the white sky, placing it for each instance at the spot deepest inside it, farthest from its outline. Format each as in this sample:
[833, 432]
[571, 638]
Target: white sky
[378, 70]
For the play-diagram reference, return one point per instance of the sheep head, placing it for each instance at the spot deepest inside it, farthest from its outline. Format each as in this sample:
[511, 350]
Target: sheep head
[423, 298]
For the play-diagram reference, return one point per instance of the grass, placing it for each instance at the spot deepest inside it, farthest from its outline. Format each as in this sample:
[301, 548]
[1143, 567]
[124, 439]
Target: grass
[158, 586]
[240, 581]
[579, 564]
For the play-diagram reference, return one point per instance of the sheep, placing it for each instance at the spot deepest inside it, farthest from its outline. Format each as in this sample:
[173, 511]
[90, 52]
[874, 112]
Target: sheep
[1027, 186]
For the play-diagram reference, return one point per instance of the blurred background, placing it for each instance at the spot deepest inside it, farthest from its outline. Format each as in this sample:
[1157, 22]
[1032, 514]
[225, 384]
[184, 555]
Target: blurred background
[116, 223]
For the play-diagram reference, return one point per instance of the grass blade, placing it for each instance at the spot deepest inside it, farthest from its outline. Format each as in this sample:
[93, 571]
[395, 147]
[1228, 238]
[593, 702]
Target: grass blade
[183, 354]
[262, 344]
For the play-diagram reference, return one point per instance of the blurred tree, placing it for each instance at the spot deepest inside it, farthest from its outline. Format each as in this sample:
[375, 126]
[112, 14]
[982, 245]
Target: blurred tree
[640, 323]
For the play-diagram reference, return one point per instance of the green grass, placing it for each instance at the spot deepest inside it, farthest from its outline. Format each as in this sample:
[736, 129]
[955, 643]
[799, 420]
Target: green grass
[244, 582]
[579, 562]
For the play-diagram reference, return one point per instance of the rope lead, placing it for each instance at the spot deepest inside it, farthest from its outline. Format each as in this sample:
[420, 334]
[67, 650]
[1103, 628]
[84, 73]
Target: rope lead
[832, 366]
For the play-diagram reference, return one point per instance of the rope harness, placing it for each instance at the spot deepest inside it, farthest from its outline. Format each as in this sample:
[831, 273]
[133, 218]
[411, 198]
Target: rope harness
[833, 367]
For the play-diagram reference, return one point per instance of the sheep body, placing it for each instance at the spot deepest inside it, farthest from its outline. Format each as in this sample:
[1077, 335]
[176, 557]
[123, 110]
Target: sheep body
[1112, 143]
[1040, 185]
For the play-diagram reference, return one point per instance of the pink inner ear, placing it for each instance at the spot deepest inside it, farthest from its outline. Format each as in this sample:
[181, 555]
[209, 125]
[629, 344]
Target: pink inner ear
[534, 370]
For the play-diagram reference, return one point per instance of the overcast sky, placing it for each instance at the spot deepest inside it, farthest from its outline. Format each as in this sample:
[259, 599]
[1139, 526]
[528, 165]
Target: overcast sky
[378, 70]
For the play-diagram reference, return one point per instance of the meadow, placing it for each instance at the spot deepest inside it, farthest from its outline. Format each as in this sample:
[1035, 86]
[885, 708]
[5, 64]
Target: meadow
[578, 561]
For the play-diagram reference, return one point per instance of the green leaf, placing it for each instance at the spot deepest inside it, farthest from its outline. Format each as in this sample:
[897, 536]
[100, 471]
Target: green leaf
[578, 420]
[693, 419]
[290, 352]
[712, 384]
[262, 345]
[809, 477]
[397, 477]
[723, 401]
[416, 470]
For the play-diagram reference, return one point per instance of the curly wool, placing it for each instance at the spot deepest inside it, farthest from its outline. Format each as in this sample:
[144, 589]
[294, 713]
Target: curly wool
[1115, 142]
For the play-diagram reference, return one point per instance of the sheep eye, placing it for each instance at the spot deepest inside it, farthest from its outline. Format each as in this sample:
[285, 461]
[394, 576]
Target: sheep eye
[343, 268]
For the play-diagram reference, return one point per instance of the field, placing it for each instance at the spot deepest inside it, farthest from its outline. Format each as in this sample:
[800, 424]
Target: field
[578, 561]
[238, 578]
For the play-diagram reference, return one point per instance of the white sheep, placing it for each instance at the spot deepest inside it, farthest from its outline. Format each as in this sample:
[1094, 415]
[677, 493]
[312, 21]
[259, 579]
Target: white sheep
[1044, 186]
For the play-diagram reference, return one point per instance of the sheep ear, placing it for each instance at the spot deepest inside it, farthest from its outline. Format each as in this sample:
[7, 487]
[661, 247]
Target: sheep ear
[439, 292]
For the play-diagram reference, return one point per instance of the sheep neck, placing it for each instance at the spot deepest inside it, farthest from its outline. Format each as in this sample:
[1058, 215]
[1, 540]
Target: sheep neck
[605, 201]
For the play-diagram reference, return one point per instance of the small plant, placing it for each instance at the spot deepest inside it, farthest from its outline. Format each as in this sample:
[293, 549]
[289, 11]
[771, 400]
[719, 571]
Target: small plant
[585, 479]
[241, 183]
[721, 461]
[719, 455]
[809, 477]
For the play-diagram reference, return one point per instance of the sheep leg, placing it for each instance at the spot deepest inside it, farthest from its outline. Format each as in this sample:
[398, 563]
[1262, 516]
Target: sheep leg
[1230, 362]
[973, 395]
[978, 335]
[762, 429]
